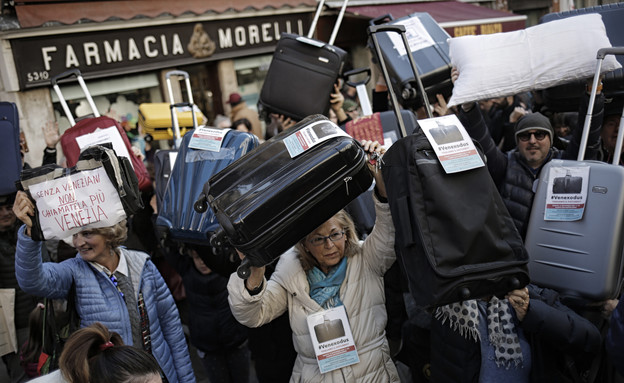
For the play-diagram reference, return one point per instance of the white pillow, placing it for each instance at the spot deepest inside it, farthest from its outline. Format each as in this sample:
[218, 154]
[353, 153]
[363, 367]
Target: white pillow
[539, 57]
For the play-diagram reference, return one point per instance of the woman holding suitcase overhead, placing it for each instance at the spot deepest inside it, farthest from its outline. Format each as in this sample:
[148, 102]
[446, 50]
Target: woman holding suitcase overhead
[120, 288]
[331, 284]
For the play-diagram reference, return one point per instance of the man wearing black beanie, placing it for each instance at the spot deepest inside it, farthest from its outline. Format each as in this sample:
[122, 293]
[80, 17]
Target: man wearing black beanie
[515, 172]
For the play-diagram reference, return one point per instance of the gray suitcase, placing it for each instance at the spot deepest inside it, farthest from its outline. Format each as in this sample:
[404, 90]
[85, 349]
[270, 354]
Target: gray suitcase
[582, 258]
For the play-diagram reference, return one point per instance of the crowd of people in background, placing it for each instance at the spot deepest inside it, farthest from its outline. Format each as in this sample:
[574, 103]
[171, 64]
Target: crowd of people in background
[190, 295]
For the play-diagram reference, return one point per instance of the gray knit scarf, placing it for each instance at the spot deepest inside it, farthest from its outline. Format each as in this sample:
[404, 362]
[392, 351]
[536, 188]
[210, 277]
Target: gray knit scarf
[464, 316]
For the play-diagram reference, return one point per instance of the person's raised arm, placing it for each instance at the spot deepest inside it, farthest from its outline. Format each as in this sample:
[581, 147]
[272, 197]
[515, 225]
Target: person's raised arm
[52, 137]
[253, 284]
[472, 119]
[24, 209]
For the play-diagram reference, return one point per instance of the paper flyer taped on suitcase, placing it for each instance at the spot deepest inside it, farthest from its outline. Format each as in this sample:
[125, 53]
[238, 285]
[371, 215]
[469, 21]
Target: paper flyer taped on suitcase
[155, 118]
[454, 237]
[566, 98]
[430, 50]
[576, 241]
[87, 126]
[11, 158]
[193, 167]
[300, 62]
[268, 200]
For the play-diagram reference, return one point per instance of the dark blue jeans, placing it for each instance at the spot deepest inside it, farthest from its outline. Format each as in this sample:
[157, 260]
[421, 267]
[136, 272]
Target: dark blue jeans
[227, 365]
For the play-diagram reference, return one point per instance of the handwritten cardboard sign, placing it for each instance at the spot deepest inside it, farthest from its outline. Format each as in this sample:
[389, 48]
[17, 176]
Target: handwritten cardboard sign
[73, 203]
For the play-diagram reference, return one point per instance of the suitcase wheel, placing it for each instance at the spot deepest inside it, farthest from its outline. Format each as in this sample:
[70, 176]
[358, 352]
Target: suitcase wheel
[217, 240]
[201, 205]
[244, 270]
[464, 293]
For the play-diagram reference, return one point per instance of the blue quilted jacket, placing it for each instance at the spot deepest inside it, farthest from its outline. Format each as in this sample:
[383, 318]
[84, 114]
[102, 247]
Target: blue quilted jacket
[97, 300]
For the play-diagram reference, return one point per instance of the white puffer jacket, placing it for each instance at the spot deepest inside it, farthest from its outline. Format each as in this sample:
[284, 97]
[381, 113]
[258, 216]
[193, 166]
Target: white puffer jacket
[362, 293]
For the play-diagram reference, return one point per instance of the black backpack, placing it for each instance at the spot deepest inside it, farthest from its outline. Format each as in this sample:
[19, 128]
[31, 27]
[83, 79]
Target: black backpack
[454, 236]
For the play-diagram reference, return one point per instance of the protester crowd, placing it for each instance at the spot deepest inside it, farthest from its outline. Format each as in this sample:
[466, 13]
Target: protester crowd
[140, 309]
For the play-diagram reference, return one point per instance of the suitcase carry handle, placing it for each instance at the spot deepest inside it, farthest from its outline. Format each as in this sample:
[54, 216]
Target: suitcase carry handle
[600, 56]
[400, 29]
[336, 26]
[360, 87]
[174, 117]
[85, 90]
[381, 19]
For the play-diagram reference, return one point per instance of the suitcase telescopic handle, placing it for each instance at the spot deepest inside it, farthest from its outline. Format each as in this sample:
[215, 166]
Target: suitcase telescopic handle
[317, 14]
[174, 117]
[360, 87]
[69, 73]
[600, 56]
[400, 29]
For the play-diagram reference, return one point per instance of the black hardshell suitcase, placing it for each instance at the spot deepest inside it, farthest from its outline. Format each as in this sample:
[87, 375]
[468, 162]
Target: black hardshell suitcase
[267, 201]
[566, 97]
[581, 259]
[300, 62]
[433, 63]
[454, 237]
[11, 156]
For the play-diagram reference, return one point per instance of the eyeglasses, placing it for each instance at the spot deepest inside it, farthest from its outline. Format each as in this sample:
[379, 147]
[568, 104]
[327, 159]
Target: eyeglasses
[525, 136]
[318, 241]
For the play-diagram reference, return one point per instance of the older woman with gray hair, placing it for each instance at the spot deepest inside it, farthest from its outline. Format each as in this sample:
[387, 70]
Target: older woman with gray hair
[331, 283]
[118, 287]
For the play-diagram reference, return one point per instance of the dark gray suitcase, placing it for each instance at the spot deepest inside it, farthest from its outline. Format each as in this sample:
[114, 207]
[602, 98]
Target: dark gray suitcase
[433, 64]
[582, 258]
[11, 158]
[302, 74]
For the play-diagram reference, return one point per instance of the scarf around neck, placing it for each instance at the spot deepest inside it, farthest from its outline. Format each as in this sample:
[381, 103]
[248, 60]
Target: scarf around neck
[325, 288]
[464, 316]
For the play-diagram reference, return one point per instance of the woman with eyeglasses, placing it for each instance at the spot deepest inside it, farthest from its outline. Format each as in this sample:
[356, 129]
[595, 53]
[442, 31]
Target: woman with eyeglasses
[332, 283]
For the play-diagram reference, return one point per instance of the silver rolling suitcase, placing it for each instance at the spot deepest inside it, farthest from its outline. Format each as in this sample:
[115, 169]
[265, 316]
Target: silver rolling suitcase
[580, 258]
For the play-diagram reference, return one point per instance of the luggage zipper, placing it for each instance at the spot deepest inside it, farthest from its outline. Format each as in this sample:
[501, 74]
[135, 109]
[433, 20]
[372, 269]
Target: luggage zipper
[346, 181]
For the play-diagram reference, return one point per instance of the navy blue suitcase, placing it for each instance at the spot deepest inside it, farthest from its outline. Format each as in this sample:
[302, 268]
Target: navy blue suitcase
[11, 157]
[193, 167]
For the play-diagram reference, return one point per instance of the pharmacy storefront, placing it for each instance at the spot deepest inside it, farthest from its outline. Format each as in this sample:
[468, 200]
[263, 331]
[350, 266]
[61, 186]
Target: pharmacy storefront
[124, 65]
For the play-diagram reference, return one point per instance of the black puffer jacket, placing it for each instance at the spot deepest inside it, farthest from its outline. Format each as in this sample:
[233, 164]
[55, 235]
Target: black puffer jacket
[512, 175]
[211, 323]
[552, 329]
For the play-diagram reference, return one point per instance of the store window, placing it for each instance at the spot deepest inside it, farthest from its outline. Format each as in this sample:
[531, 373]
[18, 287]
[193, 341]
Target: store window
[250, 75]
[205, 88]
[117, 97]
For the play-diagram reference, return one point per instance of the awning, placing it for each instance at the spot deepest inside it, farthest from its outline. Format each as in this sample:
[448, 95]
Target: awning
[458, 19]
[36, 13]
